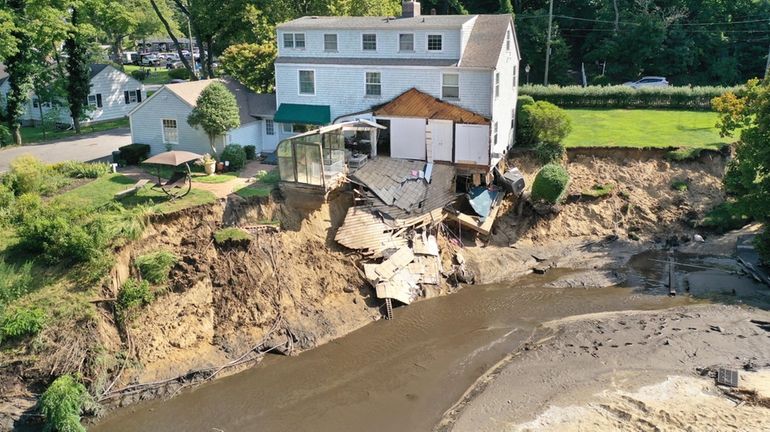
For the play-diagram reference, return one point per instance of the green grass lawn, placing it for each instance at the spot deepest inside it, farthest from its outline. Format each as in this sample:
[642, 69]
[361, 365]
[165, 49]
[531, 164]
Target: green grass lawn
[158, 75]
[644, 128]
[262, 187]
[36, 134]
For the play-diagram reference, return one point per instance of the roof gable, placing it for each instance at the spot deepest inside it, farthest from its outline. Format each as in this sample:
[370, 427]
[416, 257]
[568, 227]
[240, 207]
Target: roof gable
[486, 40]
[414, 103]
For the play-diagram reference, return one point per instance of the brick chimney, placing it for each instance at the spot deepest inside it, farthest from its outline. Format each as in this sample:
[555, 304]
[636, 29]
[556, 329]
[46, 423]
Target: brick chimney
[410, 9]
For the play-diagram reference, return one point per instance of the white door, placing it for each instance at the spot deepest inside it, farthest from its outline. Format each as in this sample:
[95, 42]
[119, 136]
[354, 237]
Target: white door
[472, 144]
[407, 138]
[443, 137]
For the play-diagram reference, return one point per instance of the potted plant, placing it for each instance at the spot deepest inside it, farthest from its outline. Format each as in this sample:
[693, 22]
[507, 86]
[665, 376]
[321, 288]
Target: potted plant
[209, 164]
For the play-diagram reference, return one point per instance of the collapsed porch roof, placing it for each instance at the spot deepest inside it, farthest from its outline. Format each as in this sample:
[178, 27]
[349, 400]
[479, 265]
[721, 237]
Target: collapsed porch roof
[303, 114]
[414, 103]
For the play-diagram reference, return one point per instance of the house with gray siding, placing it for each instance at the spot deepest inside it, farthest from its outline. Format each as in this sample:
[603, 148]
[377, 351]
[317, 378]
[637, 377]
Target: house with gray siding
[161, 120]
[112, 95]
[337, 69]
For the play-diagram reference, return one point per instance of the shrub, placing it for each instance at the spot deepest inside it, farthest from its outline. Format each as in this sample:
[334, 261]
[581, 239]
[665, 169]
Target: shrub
[550, 124]
[62, 404]
[26, 206]
[26, 175]
[626, 97]
[134, 153]
[131, 296]
[251, 152]
[225, 235]
[20, 323]
[600, 80]
[550, 184]
[180, 73]
[762, 243]
[6, 196]
[725, 217]
[140, 74]
[524, 135]
[76, 169]
[549, 152]
[155, 266]
[236, 155]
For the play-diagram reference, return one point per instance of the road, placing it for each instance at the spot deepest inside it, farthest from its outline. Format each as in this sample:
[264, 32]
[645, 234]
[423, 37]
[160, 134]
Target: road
[83, 148]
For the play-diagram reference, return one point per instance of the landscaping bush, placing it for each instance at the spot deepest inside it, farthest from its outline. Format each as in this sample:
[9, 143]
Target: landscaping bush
[550, 124]
[180, 73]
[20, 323]
[625, 97]
[155, 266]
[550, 184]
[524, 133]
[251, 152]
[26, 175]
[77, 169]
[140, 74]
[6, 196]
[131, 296]
[62, 404]
[134, 153]
[26, 206]
[549, 152]
[236, 155]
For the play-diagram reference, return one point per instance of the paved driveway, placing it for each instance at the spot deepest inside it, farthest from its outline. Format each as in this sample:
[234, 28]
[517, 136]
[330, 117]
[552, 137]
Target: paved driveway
[83, 148]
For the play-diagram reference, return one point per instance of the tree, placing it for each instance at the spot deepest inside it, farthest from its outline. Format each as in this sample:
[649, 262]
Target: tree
[216, 112]
[117, 20]
[78, 71]
[172, 35]
[251, 64]
[748, 173]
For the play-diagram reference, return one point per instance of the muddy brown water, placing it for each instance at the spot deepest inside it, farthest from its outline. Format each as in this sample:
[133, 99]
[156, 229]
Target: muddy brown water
[398, 375]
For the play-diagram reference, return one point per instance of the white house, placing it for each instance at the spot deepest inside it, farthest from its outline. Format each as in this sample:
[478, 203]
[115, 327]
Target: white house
[161, 120]
[113, 94]
[419, 75]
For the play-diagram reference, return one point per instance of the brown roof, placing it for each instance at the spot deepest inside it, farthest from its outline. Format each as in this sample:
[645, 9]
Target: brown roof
[487, 37]
[414, 103]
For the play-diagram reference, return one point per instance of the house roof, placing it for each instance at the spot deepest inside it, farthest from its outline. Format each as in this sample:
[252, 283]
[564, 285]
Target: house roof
[250, 104]
[368, 61]
[414, 103]
[488, 32]
[376, 23]
[96, 68]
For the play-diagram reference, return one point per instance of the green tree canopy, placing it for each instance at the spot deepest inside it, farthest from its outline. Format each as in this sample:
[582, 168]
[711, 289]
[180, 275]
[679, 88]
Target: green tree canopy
[251, 64]
[216, 112]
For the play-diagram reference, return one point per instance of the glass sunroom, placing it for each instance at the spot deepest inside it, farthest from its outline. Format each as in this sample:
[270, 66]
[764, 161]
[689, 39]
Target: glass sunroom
[317, 158]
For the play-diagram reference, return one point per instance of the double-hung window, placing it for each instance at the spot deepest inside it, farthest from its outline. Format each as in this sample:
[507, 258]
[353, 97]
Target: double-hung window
[373, 84]
[497, 84]
[450, 86]
[369, 42]
[170, 131]
[132, 96]
[294, 40]
[307, 82]
[330, 42]
[435, 42]
[406, 42]
[269, 127]
[494, 134]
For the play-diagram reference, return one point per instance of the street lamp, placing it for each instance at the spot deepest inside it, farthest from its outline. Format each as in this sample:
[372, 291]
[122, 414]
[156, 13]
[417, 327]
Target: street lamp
[526, 70]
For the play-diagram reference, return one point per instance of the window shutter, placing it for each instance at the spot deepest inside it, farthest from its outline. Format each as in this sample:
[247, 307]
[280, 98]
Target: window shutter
[139, 95]
[98, 100]
[125, 96]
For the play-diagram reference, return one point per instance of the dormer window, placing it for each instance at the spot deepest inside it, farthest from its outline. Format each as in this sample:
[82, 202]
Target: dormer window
[369, 42]
[294, 40]
[435, 42]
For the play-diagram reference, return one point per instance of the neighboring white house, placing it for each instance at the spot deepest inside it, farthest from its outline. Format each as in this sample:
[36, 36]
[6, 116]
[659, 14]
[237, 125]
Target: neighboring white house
[113, 94]
[334, 69]
[161, 121]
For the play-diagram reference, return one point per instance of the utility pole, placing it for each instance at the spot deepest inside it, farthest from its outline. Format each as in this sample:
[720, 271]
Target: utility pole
[548, 43]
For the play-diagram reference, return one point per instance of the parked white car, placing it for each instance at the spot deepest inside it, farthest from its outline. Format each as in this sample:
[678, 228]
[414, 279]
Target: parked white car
[150, 60]
[648, 81]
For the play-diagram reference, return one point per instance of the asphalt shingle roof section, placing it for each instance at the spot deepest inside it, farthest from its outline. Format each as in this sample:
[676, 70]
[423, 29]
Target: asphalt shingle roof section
[96, 68]
[368, 61]
[250, 104]
[485, 42]
[376, 23]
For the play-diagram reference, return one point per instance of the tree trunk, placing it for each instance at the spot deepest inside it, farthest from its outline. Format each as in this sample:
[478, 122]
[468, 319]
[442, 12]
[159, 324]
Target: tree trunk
[201, 51]
[117, 51]
[165, 23]
[213, 147]
[16, 131]
[42, 120]
[617, 15]
[209, 61]
[76, 124]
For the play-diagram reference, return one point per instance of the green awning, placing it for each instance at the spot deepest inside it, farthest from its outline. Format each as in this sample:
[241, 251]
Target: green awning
[303, 114]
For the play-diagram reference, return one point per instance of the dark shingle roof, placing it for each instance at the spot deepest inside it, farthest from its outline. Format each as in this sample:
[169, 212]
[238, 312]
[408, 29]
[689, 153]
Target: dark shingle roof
[367, 61]
[96, 68]
[262, 104]
[487, 36]
[376, 23]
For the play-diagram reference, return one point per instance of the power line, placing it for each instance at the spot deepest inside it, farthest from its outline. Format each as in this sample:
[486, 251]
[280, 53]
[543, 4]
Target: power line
[767, 20]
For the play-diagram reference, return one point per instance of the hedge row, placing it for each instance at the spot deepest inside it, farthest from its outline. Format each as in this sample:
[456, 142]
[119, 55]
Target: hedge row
[698, 98]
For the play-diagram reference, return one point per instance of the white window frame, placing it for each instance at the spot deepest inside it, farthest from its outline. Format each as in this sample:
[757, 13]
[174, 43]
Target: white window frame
[90, 102]
[269, 127]
[132, 96]
[497, 84]
[443, 96]
[427, 42]
[494, 134]
[336, 42]
[367, 84]
[399, 42]
[293, 44]
[163, 130]
[363, 42]
[286, 43]
[508, 40]
[515, 77]
[287, 127]
[299, 82]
